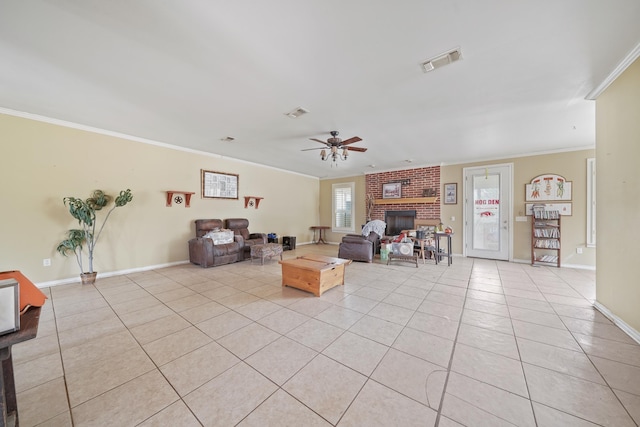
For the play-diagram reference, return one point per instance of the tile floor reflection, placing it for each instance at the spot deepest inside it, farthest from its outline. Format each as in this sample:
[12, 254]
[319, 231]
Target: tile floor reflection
[477, 343]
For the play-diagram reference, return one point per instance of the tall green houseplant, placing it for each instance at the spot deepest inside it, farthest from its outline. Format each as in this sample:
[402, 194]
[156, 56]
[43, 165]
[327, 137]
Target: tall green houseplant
[85, 211]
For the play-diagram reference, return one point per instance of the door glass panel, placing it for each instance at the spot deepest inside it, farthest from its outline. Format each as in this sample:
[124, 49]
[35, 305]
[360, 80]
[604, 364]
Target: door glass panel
[486, 212]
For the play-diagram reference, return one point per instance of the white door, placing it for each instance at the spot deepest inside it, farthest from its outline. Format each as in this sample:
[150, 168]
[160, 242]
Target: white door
[487, 211]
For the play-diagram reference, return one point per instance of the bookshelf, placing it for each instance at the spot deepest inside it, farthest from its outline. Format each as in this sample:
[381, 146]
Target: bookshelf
[545, 237]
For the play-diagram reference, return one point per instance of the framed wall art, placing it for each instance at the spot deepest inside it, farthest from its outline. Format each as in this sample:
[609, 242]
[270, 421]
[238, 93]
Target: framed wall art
[219, 185]
[548, 187]
[392, 190]
[451, 194]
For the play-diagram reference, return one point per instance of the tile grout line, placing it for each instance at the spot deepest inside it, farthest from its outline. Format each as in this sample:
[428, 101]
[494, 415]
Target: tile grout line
[453, 349]
[515, 338]
[589, 356]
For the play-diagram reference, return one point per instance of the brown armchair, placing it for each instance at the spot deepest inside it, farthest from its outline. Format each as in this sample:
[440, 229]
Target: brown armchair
[359, 248]
[240, 226]
[203, 252]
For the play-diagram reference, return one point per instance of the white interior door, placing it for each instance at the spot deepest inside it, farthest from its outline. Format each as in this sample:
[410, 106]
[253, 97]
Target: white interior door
[488, 211]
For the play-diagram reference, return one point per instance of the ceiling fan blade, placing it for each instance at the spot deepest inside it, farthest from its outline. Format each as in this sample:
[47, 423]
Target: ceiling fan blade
[309, 149]
[351, 140]
[360, 149]
[321, 142]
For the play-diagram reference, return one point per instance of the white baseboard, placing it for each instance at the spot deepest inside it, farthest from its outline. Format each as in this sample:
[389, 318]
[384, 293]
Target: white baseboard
[109, 274]
[635, 335]
[128, 271]
[576, 266]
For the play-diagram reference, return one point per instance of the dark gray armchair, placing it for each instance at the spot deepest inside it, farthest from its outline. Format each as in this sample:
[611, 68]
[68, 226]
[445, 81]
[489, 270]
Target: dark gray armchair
[359, 248]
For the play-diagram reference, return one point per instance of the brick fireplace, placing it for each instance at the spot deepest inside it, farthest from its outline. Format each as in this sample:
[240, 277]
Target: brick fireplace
[398, 221]
[415, 182]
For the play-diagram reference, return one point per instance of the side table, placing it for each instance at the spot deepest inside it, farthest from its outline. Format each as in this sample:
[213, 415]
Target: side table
[439, 255]
[28, 330]
[320, 229]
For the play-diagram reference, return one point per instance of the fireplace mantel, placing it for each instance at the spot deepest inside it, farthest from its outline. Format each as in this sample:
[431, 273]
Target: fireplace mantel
[406, 200]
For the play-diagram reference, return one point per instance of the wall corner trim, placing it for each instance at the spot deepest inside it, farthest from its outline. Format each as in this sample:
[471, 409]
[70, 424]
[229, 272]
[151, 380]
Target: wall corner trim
[635, 335]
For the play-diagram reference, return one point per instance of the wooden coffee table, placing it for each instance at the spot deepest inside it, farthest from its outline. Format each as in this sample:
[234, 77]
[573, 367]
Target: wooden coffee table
[313, 273]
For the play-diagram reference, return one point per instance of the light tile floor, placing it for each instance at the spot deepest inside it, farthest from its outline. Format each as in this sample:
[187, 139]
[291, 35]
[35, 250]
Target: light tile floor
[478, 343]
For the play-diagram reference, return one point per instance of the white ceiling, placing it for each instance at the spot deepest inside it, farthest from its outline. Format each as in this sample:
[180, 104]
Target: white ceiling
[191, 72]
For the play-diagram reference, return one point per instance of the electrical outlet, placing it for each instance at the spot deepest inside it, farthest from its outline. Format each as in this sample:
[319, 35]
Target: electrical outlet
[453, 218]
[46, 262]
[579, 250]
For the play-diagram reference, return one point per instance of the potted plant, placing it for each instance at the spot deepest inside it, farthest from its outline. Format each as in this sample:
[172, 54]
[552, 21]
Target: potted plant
[87, 236]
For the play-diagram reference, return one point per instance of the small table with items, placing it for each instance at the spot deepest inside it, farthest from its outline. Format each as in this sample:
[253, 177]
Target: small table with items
[403, 251]
[438, 254]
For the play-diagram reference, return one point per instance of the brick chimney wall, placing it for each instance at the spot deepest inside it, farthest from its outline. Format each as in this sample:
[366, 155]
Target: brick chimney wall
[419, 179]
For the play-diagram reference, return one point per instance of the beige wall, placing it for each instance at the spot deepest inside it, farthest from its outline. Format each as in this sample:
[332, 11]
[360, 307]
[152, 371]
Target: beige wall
[618, 188]
[42, 163]
[326, 205]
[572, 165]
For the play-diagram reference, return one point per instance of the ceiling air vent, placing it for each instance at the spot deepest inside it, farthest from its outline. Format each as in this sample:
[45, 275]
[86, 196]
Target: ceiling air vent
[441, 60]
[294, 114]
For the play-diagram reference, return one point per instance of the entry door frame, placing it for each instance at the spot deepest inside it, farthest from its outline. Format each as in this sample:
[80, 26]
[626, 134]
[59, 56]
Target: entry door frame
[466, 209]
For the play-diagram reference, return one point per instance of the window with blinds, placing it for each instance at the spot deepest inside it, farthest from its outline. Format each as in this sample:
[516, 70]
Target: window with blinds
[343, 208]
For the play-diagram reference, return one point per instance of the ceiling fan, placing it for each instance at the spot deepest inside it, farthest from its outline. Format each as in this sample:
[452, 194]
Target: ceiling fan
[335, 145]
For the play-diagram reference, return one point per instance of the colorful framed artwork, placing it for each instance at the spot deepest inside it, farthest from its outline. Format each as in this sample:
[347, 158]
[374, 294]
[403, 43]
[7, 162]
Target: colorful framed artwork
[548, 187]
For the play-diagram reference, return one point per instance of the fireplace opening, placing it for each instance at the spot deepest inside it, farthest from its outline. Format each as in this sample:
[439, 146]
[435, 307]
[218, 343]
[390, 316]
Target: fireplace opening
[398, 221]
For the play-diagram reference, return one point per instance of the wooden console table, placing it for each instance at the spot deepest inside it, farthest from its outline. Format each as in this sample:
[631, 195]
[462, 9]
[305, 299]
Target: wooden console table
[28, 330]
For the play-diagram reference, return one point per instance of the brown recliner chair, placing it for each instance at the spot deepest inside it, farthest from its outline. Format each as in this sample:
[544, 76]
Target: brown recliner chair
[203, 252]
[359, 248]
[240, 227]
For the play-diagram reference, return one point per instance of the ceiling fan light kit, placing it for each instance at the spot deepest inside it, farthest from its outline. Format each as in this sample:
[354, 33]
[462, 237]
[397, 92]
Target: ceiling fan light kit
[337, 148]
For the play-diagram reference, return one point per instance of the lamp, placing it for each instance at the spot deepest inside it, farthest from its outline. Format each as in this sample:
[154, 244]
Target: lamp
[9, 306]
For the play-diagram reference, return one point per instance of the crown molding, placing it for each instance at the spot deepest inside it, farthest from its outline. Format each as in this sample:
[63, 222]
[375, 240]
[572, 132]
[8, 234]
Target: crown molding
[72, 125]
[622, 66]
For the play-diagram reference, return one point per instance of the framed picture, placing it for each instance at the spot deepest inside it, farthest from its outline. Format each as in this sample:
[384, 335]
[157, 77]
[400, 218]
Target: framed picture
[429, 192]
[451, 194]
[392, 190]
[219, 185]
[548, 187]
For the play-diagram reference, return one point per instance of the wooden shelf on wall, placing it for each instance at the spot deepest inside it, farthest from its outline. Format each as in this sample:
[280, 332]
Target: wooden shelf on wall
[406, 200]
[187, 197]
